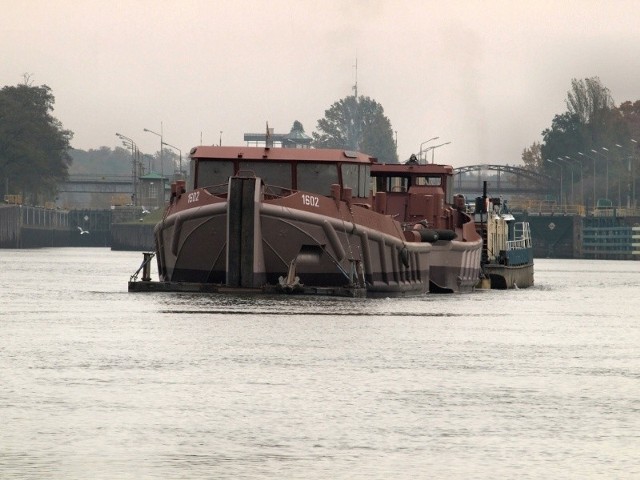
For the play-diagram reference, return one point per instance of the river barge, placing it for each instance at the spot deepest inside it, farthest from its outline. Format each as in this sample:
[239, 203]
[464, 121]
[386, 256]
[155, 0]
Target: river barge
[318, 221]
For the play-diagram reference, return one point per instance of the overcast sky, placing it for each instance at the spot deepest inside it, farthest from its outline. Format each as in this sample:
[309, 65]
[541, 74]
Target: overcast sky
[487, 76]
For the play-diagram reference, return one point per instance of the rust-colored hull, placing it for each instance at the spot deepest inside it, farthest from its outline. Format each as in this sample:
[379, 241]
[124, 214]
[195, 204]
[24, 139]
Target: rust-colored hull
[455, 266]
[336, 246]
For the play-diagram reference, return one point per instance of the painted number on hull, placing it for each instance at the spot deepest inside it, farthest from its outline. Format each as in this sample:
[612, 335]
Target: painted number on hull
[310, 200]
[193, 197]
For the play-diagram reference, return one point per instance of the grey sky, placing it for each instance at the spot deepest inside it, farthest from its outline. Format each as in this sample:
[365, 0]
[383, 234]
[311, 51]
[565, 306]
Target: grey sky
[486, 75]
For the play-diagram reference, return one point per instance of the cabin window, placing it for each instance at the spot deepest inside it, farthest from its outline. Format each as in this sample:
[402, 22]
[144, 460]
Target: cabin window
[277, 174]
[429, 181]
[391, 184]
[317, 177]
[365, 181]
[357, 178]
[192, 175]
[212, 173]
[350, 177]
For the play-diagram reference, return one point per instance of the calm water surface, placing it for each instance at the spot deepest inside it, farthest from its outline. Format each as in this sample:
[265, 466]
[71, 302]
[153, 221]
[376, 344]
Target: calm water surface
[100, 383]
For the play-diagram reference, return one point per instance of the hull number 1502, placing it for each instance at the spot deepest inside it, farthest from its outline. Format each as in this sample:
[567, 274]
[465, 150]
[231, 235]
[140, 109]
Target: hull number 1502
[310, 200]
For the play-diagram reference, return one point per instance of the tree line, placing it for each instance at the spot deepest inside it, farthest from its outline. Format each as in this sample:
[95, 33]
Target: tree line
[592, 142]
[34, 146]
[36, 154]
[592, 147]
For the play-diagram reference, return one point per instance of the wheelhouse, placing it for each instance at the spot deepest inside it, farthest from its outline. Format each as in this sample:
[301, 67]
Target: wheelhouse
[414, 178]
[291, 170]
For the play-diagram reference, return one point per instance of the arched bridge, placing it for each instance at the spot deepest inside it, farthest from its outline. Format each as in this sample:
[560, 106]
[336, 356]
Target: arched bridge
[503, 179]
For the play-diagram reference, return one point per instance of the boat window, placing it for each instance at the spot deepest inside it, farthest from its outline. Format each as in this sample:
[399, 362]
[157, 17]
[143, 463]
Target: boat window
[192, 175]
[212, 173]
[276, 174]
[428, 181]
[317, 177]
[449, 190]
[350, 177]
[364, 181]
[391, 184]
[356, 177]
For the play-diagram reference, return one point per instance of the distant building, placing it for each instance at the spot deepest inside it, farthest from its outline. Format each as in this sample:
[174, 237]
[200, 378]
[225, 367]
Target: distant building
[152, 189]
[296, 138]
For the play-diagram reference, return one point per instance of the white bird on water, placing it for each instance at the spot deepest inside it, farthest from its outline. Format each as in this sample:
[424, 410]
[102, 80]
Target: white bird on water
[82, 232]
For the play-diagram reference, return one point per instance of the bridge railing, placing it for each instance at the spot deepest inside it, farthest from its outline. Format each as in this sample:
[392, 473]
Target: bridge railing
[545, 207]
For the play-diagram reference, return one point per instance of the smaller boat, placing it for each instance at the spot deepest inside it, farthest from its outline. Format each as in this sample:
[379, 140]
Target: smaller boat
[507, 251]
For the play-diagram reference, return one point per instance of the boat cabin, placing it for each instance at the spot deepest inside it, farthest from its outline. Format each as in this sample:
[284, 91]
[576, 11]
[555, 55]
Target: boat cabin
[409, 192]
[412, 192]
[283, 170]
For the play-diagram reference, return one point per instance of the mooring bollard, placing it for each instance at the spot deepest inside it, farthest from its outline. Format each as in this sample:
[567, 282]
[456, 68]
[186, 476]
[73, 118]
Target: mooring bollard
[146, 266]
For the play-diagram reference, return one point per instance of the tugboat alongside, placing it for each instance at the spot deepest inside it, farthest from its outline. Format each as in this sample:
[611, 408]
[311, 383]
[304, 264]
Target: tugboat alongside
[316, 221]
[507, 253]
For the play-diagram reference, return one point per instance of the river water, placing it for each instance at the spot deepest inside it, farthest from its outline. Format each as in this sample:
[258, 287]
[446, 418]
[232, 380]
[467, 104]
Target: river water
[100, 383]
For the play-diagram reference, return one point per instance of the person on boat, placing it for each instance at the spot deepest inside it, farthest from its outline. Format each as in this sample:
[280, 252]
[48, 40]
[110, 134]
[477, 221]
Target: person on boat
[412, 160]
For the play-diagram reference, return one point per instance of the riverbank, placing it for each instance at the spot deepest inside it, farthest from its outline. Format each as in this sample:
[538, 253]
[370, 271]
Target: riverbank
[125, 228]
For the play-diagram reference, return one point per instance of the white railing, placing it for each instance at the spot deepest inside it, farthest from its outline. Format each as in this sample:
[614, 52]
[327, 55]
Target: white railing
[522, 237]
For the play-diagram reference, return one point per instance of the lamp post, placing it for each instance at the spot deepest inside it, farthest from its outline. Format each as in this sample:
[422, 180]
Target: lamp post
[561, 189]
[606, 162]
[581, 177]
[179, 151]
[563, 160]
[423, 143]
[632, 169]
[127, 142]
[161, 144]
[594, 176]
[433, 148]
[620, 179]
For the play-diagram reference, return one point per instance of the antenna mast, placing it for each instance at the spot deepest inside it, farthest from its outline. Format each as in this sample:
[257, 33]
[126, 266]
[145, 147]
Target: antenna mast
[355, 87]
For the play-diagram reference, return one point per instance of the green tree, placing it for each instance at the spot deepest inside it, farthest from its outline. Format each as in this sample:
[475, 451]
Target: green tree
[33, 145]
[357, 124]
[593, 138]
[591, 120]
[532, 157]
[589, 100]
[101, 161]
[630, 115]
[565, 137]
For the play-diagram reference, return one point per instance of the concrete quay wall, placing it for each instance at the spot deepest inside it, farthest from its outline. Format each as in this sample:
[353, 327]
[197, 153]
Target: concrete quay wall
[36, 227]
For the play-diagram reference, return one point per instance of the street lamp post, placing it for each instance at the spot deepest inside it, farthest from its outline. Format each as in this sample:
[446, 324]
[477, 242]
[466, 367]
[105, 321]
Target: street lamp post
[594, 176]
[606, 162]
[423, 143]
[179, 151]
[433, 148]
[571, 167]
[161, 144]
[632, 174]
[127, 142]
[581, 177]
[620, 179]
[561, 189]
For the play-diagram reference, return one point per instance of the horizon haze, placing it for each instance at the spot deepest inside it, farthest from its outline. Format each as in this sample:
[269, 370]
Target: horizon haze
[486, 76]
